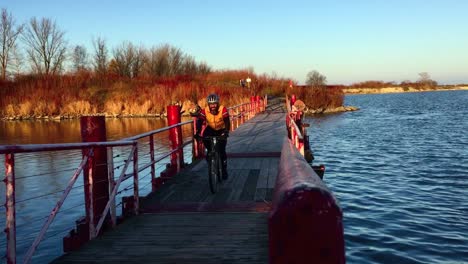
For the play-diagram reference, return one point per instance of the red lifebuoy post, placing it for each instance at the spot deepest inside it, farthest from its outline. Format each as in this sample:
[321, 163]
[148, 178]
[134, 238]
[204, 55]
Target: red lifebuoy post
[305, 223]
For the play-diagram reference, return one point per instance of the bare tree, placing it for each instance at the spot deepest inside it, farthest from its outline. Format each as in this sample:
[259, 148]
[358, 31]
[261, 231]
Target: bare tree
[16, 61]
[175, 61]
[166, 60]
[46, 46]
[79, 58]
[100, 56]
[158, 61]
[8, 34]
[425, 80]
[138, 61]
[189, 66]
[123, 60]
[203, 68]
[315, 79]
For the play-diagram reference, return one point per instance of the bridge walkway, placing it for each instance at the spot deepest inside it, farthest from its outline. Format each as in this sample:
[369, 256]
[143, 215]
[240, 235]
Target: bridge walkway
[183, 222]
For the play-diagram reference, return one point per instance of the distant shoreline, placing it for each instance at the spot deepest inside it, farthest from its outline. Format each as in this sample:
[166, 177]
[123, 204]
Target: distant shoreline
[385, 90]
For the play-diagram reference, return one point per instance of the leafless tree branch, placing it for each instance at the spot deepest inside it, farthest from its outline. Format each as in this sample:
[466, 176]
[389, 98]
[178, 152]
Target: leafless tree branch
[46, 46]
[8, 34]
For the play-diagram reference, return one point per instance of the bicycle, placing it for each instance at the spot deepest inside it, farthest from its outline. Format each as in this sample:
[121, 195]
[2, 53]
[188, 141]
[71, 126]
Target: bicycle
[215, 164]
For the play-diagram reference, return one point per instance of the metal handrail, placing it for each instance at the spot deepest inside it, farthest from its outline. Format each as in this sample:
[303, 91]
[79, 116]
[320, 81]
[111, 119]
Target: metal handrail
[128, 175]
[113, 193]
[57, 207]
[237, 106]
[147, 134]
[23, 148]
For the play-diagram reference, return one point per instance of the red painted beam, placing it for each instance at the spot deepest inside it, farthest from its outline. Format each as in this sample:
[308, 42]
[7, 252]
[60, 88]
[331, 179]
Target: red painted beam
[305, 223]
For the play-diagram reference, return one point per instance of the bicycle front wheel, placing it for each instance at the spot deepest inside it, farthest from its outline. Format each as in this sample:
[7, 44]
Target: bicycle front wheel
[220, 169]
[213, 169]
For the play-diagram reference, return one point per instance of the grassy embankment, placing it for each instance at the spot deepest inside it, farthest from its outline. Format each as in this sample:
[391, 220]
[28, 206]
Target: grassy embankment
[70, 96]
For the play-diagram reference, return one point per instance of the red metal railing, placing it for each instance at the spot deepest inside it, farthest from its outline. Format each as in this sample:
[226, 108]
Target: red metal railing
[305, 224]
[134, 161]
[295, 132]
[9, 180]
[240, 113]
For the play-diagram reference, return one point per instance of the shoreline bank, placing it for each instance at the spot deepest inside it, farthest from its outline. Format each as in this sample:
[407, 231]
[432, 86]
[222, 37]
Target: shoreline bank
[347, 91]
[384, 90]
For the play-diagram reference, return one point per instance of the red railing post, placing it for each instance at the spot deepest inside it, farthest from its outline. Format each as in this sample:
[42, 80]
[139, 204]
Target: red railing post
[10, 223]
[238, 113]
[136, 196]
[96, 183]
[243, 114]
[194, 142]
[257, 103]
[231, 114]
[252, 106]
[110, 169]
[153, 166]
[293, 99]
[93, 129]
[175, 135]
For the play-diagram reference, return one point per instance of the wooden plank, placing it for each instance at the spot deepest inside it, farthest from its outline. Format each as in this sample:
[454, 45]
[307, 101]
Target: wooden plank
[264, 173]
[272, 172]
[265, 134]
[180, 238]
[250, 185]
[238, 184]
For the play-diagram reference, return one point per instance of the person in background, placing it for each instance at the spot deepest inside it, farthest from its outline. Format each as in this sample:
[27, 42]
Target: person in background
[217, 122]
[242, 83]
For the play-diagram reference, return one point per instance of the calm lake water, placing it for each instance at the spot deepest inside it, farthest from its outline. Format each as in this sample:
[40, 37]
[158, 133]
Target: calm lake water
[398, 166]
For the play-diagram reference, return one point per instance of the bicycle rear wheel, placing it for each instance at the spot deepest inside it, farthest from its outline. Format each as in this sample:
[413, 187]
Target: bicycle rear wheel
[213, 170]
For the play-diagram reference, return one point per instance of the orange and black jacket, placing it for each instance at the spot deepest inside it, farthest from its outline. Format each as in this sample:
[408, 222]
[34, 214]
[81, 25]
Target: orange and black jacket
[215, 124]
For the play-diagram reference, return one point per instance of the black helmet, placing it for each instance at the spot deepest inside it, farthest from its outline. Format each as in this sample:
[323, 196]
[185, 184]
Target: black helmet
[212, 99]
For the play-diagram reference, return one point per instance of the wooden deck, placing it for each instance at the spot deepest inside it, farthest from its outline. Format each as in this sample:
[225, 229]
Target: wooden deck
[184, 223]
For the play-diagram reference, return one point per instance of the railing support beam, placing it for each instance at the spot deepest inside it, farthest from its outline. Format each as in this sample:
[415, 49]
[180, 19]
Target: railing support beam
[10, 227]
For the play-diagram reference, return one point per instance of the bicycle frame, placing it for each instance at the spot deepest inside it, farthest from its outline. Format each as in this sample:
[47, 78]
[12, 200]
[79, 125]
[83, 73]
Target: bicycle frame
[215, 167]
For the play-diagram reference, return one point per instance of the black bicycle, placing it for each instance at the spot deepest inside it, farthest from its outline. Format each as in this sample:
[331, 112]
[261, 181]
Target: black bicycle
[215, 164]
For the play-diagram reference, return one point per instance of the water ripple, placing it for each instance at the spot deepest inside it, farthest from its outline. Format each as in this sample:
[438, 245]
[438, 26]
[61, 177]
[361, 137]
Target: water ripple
[399, 168]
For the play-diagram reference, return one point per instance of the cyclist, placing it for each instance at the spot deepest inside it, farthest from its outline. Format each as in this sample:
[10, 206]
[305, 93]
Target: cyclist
[217, 121]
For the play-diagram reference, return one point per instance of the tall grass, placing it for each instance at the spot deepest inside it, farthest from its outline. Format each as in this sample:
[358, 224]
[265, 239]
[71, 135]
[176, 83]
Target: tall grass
[85, 93]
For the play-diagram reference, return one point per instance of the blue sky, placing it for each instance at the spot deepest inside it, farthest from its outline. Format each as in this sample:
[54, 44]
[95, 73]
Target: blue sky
[347, 41]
